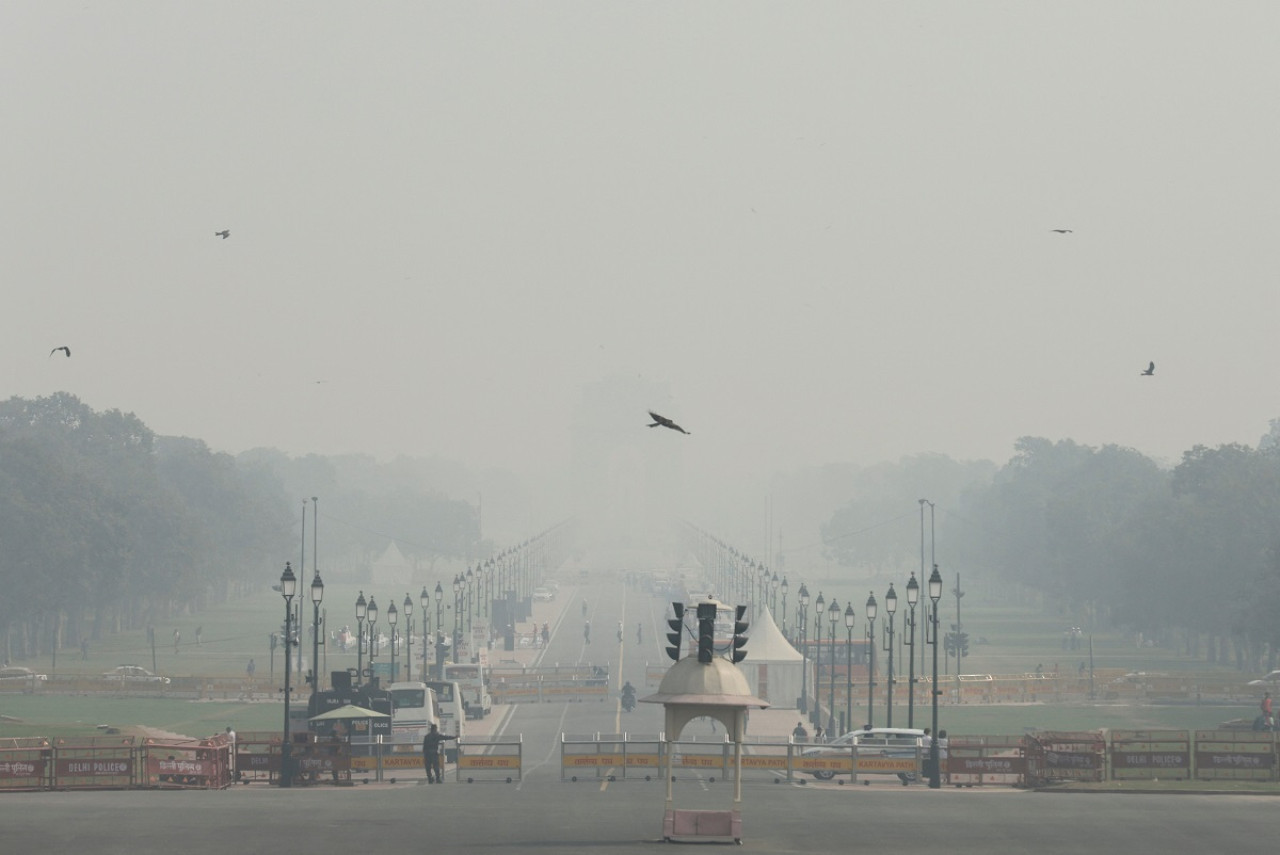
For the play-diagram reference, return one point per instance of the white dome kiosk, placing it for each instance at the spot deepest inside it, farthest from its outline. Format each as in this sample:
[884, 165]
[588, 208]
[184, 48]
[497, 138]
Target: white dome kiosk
[705, 683]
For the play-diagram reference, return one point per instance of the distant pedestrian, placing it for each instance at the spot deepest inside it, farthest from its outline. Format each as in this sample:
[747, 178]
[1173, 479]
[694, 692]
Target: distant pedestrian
[586, 632]
[250, 668]
[177, 639]
[800, 734]
[199, 635]
[84, 648]
[639, 633]
[619, 632]
[546, 635]
[817, 734]
[1268, 720]
[432, 744]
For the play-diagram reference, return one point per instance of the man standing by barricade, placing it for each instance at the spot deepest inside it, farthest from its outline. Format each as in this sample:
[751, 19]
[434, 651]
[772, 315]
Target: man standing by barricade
[432, 744]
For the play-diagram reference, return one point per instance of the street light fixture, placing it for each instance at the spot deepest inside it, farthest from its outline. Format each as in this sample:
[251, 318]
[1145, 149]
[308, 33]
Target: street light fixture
[848, 664]
[457, 609]
[361, 609]
[408, 636]
[890, 607]
[935, 594]
[317, 594]
[439, 631]
[288, 587]
[393, 617]
[784, 607]
[773, 599]
[371, 614]
[819, 606]
[872, 608]
[913, 597]
[424, 599]
[804, 648]
[833, 615]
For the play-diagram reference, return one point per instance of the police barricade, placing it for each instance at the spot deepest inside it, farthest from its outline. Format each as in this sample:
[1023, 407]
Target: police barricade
[610, 757]
[767, 758]
[381, 756]
[257, 755]
[26, 763]
[1144, 755]
[323, 760]
[94, 763]
[557, 684]
[1235, 754]
[193, 764]
[1064, 756]
[976, 761]
[489, 760]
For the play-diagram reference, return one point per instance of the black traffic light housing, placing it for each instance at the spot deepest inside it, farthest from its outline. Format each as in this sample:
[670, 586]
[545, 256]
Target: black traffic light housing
[677, 633]
[706, 632]
[739, 640]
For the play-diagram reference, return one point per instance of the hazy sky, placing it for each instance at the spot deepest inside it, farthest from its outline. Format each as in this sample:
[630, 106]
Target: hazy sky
[825, 227]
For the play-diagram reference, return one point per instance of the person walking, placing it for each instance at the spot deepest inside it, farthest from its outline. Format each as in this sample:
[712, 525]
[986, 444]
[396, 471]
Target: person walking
[640, 633]
[586, 632]
[800, 734]
[432, 745]
[1267, 720]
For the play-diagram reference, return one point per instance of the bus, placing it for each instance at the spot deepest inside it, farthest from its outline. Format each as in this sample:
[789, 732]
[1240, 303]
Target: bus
[453, 715]
[414, 709]
[473, 679]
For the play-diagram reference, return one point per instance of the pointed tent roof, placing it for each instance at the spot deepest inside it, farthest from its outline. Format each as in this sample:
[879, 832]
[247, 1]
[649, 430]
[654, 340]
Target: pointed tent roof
[392, 557]
[766, 643]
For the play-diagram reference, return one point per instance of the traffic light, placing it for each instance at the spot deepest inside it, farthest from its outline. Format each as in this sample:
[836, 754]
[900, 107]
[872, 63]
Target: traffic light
[677, 626]
[706, 632]
[739, 640]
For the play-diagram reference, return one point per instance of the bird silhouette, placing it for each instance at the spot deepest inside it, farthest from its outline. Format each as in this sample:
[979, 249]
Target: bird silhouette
[64, 349]
[1151, 370]
[663, 421]
[1061, 231]
[224, 234]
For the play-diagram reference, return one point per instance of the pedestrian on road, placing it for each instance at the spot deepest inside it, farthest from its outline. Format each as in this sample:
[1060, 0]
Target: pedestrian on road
[250, 668]
[586, 631]
[546, 635]
[432, 744]
[619, 632]
[640, 633]
[800, 734]
[1268, 721]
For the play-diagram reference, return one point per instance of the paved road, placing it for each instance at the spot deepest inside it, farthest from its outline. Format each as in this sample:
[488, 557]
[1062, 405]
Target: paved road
[542, 813]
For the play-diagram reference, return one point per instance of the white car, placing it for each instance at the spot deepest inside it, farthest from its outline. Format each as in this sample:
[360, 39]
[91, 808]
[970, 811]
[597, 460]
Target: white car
[15, 672]
[133, 674]
[544, 595]
[876, 742]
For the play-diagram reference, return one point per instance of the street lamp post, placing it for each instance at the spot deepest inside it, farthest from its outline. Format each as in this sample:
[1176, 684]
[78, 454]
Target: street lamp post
[371, 614]
[288, 587]
[424, 599]
[833, 615]
[935, 594]
[361, 607]
[871, 663]
[457, 617]
[890, 606]
[393, 616]
[819, 606]
[439, 632]
[784, 608]
[773, 598]
[913, 597]
[848, 664]
[317, 594]
[804, 648]
[408, 636]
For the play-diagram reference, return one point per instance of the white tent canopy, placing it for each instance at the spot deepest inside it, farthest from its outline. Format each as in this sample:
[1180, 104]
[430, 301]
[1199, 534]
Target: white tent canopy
[773, 667]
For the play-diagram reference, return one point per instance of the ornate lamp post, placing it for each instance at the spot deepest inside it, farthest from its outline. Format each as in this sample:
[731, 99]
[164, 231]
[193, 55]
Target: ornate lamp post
[833, 615]
[935, 594]
[819, 606]
[773, 598]
[317, 594]
[913, 597]
[784, 607]
[424, 599]
[288, 587]
[890, 606]
[457, 617]
[408, 637]
[393, 617]
[371, 615]
[848, 664]
[439, 632]
[871, 662]
[361, 607]
[804, 647]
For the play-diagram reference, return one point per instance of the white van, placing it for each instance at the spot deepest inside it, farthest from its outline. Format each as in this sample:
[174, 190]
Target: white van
[898, 742]
[414, 709]
[473, 678]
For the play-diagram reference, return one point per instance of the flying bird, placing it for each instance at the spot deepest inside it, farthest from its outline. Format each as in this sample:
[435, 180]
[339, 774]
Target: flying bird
[64, 349]
[1061, 231]
[224, 234]
[1151, 369]
[663, 421]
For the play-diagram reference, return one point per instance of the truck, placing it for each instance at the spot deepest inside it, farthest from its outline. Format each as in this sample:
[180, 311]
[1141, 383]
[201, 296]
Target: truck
[473, 680]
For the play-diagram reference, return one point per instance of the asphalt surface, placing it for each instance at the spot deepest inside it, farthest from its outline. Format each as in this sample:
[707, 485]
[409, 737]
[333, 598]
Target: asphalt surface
[542, 812]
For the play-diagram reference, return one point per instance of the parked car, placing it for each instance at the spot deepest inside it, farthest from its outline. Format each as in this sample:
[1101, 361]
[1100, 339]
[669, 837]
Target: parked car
[15, 672]
[545, 595]
[876, 742]
[133, 674]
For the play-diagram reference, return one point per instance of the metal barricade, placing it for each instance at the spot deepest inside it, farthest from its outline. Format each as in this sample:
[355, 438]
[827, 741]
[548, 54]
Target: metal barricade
[1235, 754]
[1060, 756]
[1144, 755]
[490, 760]
[94, 763]
[26, 763]
[977, 761]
